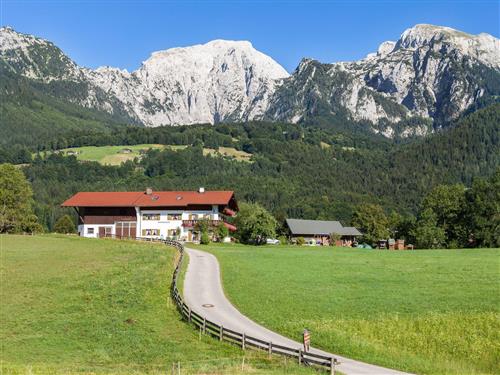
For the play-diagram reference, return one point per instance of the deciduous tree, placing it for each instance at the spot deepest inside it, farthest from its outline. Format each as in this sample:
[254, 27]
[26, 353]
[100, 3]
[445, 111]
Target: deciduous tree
[372, 221]
[16, 201]
[255, 224]
[428, 235]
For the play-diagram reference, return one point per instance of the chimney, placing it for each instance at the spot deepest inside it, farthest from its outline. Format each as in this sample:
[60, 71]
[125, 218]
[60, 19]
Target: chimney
[149, 191]
[201, 190]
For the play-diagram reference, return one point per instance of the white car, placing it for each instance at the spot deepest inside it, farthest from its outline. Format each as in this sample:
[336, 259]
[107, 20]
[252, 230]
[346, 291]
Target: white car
[272, 241]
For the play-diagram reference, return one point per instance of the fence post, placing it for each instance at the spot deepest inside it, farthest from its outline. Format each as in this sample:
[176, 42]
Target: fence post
[243, 341]
[189, 314]
[300, 356]
[270, 349]
[332, 366]
[221, 331]
[204, 325]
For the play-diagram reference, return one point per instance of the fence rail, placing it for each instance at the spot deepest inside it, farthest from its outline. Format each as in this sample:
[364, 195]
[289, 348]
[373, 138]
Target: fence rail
[239, 338]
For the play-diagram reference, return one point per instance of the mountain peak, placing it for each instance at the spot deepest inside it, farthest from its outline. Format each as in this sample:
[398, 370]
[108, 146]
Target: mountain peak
[483, 47]
[216, 54]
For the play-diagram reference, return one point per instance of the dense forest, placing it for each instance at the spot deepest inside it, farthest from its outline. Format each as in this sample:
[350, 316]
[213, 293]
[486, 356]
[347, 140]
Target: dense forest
[303, 171]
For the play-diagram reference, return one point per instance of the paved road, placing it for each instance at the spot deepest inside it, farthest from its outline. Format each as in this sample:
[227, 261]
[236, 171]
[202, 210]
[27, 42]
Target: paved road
[202, 285]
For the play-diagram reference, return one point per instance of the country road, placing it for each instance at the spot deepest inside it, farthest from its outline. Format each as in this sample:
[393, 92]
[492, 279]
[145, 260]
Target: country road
[204, 294]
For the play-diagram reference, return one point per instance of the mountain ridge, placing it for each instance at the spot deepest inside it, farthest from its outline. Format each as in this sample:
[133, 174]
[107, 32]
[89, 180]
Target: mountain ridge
[425, 80]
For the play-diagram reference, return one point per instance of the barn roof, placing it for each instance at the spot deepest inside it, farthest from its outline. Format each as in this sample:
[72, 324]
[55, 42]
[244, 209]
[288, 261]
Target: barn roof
[351, 231]
[314, 227]
[320, 227]
[155, 199]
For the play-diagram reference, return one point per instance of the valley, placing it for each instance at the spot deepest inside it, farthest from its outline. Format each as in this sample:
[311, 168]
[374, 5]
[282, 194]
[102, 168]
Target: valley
[332, 176]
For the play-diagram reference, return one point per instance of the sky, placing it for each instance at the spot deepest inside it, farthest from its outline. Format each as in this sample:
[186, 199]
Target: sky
[124, 33]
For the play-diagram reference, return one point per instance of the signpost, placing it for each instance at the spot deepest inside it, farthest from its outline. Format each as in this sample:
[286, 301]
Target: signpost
[307, 340]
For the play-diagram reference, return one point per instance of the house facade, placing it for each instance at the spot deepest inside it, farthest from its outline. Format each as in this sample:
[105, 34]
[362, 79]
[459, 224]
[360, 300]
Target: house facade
[320, 232]
[151, 214]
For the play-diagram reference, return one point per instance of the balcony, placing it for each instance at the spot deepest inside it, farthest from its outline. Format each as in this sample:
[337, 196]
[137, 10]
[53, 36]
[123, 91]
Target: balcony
[192, 223]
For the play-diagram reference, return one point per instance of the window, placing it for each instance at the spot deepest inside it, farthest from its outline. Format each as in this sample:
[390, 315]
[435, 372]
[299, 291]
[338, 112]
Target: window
[172, 232]
[90, 230]
[150, 216]
[174, 217]
[150, 232]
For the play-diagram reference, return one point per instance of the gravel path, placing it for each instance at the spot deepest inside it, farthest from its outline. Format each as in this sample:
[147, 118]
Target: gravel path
[204, 294]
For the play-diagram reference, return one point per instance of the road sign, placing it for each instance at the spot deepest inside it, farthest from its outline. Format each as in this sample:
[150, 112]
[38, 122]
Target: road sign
[307, 340]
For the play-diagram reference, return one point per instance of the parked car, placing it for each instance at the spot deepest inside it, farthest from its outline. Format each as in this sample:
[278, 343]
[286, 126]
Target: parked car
[272, 241]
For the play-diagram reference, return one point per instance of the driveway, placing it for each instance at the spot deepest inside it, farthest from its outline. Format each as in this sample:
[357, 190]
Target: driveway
[204, 294]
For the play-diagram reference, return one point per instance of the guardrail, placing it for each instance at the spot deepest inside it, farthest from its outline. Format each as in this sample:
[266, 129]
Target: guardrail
[238, 338]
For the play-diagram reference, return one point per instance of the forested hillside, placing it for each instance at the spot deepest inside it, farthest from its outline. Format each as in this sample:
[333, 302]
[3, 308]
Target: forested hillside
[297, 171]
[31, 113]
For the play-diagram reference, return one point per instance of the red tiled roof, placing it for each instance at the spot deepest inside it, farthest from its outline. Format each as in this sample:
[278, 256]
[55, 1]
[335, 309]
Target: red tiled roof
[141, 199]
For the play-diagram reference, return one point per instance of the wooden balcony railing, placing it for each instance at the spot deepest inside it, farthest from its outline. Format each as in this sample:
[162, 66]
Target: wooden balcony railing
[192, 223]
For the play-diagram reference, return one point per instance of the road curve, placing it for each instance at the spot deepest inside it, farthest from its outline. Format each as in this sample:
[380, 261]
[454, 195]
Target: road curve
[202, 286]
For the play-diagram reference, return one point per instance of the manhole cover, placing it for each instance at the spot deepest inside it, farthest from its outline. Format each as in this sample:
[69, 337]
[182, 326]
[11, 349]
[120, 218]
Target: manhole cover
[207, 305]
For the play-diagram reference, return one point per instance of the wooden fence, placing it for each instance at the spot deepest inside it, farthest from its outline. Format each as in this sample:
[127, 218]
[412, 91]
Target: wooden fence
[238, 338]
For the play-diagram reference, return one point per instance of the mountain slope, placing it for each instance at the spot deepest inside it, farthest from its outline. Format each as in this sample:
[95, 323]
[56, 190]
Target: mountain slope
[428, 78]
[40, 64]
[430, 72]
[210, 83]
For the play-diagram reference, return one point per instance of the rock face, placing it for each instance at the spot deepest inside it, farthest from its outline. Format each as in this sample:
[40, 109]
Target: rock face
[209, 83]
[431, 73]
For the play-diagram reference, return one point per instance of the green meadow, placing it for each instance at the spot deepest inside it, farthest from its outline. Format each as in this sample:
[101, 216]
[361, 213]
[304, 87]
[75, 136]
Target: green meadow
[110, 155]
[116, 155]
[83, 306]
[426, 311]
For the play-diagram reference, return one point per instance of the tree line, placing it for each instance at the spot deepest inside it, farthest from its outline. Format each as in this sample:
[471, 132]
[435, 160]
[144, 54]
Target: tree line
[299, 171]
[450, 216]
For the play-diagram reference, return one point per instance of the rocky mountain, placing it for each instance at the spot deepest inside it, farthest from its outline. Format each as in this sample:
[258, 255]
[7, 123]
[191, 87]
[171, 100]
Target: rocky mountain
[428, 78]
[219, 81]
[431, 72]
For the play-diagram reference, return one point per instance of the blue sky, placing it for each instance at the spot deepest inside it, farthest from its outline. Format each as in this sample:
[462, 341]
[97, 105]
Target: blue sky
[124, 33]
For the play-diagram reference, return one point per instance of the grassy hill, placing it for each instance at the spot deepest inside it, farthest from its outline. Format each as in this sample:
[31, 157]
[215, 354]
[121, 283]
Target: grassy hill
[110, 155]
[74, 305]
[116, 155]
[430, 311]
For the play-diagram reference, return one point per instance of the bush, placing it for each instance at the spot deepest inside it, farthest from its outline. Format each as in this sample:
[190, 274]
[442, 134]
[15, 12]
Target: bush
[222, 232]
[301, 241]
[283, 240]
[205, 238]
[64, 225]
[334, 237]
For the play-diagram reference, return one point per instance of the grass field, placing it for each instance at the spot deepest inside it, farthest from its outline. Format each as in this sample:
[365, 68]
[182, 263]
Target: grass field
[74, 305]
[110, 155]
[431, 312]
[115, 155]
[230, 152]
